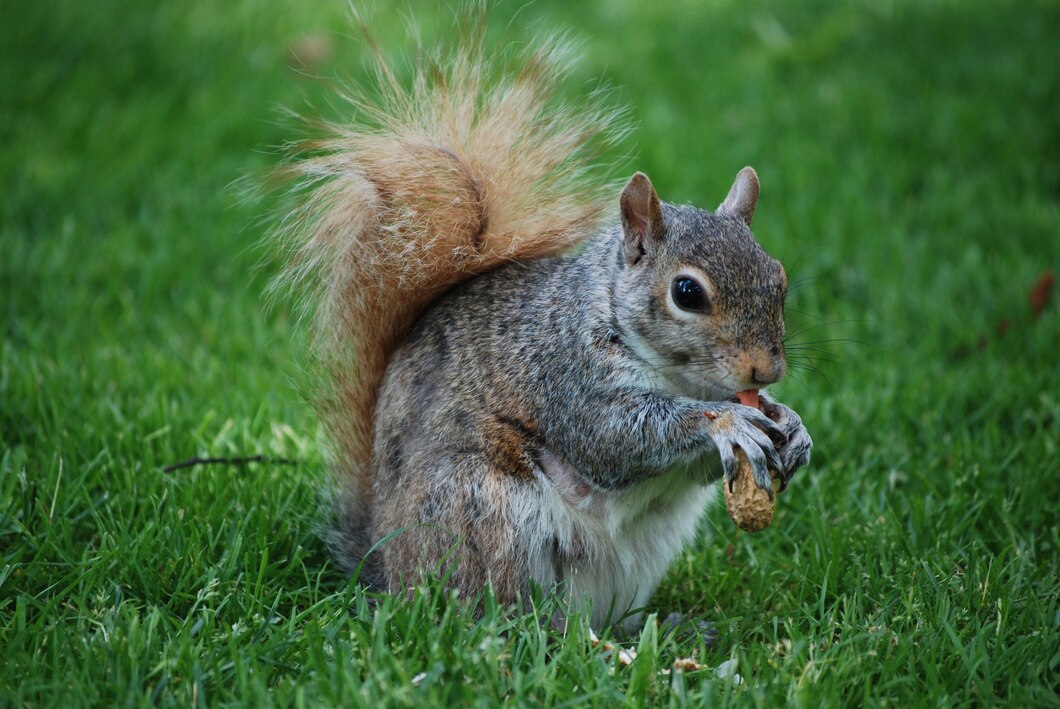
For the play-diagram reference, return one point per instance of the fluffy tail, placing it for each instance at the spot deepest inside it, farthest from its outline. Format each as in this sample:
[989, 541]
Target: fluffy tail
[470, 164]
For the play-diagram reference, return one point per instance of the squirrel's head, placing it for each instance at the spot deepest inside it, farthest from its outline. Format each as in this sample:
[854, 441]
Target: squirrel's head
[697, 296]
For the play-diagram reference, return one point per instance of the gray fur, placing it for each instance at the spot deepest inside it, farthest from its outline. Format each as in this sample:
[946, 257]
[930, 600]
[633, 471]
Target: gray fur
[539, 422]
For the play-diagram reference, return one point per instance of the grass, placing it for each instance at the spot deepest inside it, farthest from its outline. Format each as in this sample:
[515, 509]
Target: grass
[910, 164]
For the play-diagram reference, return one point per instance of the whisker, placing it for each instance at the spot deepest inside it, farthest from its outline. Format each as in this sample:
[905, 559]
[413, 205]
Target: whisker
[810, 368]
[843, 340]
[818, 326]
[801, 347]
[801, 282]
[814, 357]
[805, 313]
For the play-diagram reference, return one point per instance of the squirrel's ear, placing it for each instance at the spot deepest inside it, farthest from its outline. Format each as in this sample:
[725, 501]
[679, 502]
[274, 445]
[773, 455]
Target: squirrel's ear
[642, 217]
[742, 197]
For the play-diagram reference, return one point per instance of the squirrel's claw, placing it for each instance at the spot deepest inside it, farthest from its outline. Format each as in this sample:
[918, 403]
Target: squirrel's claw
[738, 426]
[795, 448]
[764, 423]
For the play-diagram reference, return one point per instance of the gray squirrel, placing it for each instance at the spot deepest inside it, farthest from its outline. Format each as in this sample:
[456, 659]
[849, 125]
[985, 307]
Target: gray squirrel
[502, 409]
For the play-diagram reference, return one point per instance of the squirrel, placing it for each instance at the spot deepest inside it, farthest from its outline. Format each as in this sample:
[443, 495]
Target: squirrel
[517, 392]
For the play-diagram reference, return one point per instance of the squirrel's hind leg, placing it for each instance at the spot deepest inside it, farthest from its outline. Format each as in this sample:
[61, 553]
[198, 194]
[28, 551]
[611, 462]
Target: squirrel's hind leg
[458, 518]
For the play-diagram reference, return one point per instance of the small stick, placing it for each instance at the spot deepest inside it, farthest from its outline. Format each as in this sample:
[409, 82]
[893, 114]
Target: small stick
[191, 462]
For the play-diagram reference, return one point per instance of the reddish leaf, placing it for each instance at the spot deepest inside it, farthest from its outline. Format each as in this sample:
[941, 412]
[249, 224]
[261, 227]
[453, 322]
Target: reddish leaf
[1040, 293]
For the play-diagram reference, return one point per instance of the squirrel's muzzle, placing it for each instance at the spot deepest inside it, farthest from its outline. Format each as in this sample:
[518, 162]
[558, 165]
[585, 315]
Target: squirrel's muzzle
[761, 367]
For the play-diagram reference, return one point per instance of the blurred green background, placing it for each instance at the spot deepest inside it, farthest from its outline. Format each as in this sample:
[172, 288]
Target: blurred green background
[909, 154]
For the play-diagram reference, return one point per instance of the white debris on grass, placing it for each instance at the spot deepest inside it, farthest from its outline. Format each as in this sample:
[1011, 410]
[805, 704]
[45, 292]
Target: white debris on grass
[724, 671]
[688, 664]
[727, 670]
[625, 656]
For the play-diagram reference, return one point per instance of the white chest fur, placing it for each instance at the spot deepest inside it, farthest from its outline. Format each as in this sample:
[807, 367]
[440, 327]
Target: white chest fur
[611, 548]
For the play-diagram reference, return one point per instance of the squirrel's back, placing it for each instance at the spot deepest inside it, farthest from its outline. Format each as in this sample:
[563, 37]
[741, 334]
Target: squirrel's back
[469, 164]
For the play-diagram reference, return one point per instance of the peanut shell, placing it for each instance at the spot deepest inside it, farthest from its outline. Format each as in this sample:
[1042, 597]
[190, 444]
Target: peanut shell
[748, 505]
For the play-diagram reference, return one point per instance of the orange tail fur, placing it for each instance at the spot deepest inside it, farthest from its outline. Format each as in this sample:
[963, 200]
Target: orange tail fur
[471, 164]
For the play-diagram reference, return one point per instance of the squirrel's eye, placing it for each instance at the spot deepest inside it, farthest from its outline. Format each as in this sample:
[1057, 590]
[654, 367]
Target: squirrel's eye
[689, 295]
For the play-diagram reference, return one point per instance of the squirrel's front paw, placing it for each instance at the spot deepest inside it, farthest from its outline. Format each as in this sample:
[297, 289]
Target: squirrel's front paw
[795, 450]
[734, 426]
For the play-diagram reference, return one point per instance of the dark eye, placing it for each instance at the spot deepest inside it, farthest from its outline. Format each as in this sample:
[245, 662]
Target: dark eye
[689, 295]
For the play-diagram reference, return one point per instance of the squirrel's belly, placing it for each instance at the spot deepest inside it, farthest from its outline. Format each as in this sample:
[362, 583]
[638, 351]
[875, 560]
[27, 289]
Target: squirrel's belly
[612, 547]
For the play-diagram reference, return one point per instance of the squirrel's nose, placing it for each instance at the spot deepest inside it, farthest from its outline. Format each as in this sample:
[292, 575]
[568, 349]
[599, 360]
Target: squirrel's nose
[762, 378]
[767, 370]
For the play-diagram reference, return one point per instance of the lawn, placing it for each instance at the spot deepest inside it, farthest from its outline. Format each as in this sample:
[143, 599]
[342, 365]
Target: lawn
[909, 153]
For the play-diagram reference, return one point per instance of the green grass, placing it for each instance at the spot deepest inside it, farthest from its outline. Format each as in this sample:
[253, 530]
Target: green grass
[910, 160]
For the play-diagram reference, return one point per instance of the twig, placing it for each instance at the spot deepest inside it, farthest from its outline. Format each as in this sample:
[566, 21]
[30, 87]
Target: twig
[191, 462]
